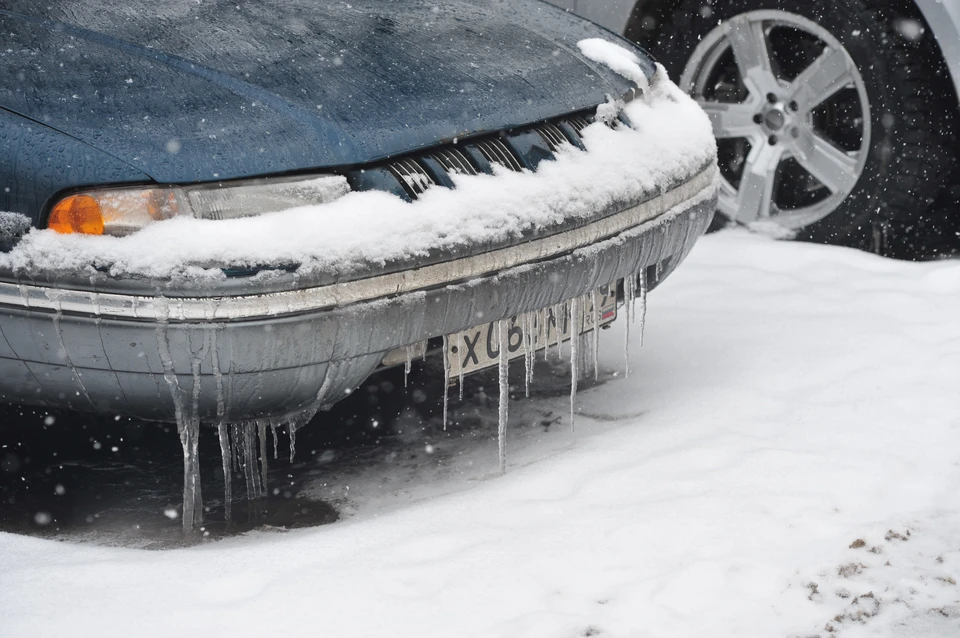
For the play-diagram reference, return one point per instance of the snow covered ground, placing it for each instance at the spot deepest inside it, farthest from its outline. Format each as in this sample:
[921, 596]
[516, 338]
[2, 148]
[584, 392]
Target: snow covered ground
[784, 460]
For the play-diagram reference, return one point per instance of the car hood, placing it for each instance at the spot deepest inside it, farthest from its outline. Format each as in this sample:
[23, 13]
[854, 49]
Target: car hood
[190, 90]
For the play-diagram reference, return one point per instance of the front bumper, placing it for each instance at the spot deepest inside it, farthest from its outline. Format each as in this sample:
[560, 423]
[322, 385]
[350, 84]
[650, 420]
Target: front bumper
[285, 353]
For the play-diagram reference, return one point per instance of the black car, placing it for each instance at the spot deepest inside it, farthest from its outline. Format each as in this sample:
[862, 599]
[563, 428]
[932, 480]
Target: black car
[139, 132]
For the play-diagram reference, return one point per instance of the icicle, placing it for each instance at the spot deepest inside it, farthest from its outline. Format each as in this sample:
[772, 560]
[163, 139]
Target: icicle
[188, 427]
[643, 303]
[545, 322]
[628, 294]
[95, 300]
[250, 470]
[217, 375]
[236, 440]
[304, 417]
[549, 319]
[594, 300]
[195, 396]
[534, 341]
[526, 327]
[193, 427]
[574, 361]
[163, 349]
[245, 459]
[408, 365]
[558, 324]
[54, 296]
[504, 395]
[292, 431]
[192, 498]
[239, 447]
[534, 331]
[225, 454]
[446, 381]
[262, 434]
[460, 380]
[586, 355]
[273, 437]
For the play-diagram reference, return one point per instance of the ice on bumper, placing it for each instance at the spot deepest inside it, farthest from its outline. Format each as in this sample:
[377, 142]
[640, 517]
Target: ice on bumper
[595, 199]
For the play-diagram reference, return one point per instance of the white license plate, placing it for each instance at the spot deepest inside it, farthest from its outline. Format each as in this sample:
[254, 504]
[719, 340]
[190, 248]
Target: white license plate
[478, 348]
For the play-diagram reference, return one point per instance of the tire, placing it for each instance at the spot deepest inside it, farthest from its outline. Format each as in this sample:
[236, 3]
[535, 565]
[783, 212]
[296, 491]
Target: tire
[893, 203]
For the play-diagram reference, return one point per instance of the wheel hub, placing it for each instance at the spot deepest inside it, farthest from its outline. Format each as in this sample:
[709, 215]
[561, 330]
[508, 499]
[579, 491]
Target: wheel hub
[774, 119]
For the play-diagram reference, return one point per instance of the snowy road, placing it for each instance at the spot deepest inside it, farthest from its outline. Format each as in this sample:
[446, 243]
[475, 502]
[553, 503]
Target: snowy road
[784, 460]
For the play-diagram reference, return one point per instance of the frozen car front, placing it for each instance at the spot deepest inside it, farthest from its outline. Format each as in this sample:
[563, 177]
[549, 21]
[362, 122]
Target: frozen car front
[241, 211]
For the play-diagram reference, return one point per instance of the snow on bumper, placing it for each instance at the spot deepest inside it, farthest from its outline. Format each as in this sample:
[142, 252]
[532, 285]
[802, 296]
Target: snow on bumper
[286, 352]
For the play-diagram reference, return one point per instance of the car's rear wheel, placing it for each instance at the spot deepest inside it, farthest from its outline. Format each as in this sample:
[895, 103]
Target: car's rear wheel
[832, 118]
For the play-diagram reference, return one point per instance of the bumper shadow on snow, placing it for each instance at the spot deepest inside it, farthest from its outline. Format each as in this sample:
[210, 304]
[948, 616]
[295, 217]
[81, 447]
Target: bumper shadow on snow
[118, 481]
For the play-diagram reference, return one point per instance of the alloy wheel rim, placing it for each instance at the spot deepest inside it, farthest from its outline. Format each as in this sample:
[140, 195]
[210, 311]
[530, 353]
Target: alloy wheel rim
[788, 165]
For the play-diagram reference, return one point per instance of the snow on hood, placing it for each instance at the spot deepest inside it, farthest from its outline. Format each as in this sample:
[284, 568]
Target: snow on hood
[616, 57]
[671, 138]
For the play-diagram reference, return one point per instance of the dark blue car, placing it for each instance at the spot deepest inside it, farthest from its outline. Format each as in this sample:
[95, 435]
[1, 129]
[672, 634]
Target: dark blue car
[115, 116]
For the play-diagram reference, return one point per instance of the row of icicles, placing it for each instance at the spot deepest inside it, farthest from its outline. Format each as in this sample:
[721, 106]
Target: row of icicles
[243, 446]
[531, 325]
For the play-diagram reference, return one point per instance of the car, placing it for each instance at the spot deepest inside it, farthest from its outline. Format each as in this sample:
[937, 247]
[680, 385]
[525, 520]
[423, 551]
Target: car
[836, 119]
[233, 214]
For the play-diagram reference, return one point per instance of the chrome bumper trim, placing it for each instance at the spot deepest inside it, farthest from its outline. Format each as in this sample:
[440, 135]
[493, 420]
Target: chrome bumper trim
[238, 308]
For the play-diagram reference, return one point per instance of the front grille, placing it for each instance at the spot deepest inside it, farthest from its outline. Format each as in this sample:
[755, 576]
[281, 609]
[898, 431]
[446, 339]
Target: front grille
[412, 175]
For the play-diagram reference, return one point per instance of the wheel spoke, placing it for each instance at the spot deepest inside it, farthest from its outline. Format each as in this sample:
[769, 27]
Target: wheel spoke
[730, 120]
[755, 195]
[833, 167]
[749, 43]
[829, 73]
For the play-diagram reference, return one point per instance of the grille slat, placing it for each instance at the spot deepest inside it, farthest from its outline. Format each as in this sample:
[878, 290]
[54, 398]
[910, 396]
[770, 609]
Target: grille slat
[488, 152]
[412, 176]
[496, 151]
[464, 163]
[578, 123]
[418, 175]
[551, 135]
[453, 161]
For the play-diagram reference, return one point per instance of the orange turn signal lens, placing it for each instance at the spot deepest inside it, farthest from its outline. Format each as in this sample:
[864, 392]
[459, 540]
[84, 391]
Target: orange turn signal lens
[77, 214]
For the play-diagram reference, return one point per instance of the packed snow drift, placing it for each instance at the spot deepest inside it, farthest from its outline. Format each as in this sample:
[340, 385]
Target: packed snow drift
[782, 461]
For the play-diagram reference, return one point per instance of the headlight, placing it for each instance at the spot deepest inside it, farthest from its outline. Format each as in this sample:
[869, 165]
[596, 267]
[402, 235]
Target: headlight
[121, 211]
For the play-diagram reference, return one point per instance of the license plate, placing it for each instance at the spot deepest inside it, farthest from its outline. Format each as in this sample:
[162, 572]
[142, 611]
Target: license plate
[478, 348]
